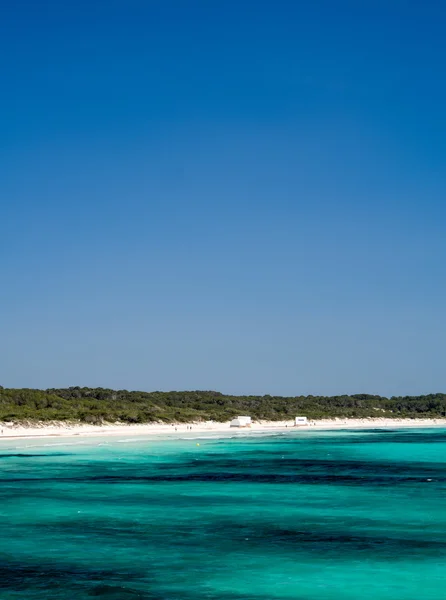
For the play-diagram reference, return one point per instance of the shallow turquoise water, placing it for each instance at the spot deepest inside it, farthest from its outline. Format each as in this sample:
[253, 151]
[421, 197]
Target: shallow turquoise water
[306, 515]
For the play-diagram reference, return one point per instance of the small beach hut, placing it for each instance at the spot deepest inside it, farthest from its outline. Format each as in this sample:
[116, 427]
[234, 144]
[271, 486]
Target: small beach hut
[241, 422]
[298, 421]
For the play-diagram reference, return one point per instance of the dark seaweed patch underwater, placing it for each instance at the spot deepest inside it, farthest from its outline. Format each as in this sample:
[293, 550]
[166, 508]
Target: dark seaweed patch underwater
[306, 515]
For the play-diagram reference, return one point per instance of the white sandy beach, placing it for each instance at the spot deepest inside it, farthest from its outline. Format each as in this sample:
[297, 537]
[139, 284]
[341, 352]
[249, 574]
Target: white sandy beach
[60, 429]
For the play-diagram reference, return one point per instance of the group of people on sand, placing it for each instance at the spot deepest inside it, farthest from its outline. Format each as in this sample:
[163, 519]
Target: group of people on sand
[188, 427]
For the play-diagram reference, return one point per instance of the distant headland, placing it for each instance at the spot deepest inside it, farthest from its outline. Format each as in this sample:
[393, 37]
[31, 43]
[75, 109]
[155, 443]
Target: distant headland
[96, 406]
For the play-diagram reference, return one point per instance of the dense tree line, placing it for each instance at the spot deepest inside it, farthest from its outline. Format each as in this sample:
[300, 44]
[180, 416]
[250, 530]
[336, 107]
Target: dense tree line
[96, 405]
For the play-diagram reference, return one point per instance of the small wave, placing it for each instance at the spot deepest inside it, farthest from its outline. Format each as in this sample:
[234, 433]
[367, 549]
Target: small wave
[64, 444]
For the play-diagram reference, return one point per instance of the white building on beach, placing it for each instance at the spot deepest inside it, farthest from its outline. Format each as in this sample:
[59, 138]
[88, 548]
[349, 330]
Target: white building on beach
[241, 422]
[300, 421]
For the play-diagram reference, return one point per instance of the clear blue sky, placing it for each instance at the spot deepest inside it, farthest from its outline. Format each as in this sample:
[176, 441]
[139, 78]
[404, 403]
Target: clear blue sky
[245, 196]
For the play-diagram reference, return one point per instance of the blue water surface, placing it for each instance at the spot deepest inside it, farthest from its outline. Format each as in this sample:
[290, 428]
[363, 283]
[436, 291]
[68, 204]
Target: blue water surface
[302, 515]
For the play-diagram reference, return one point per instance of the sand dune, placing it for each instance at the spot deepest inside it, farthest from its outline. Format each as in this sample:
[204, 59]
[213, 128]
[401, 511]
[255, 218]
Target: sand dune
[9, 430]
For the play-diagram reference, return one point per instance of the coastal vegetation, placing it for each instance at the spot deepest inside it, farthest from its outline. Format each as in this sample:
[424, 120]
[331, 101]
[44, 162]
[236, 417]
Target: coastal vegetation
[99, 405]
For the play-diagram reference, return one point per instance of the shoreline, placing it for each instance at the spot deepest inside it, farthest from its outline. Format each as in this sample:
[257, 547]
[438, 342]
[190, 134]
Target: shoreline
[45, 430]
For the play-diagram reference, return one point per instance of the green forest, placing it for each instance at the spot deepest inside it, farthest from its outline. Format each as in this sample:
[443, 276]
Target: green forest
[99, 405]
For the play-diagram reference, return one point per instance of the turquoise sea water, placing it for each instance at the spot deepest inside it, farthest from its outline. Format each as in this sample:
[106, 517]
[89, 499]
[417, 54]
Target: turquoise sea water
[306, 515]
